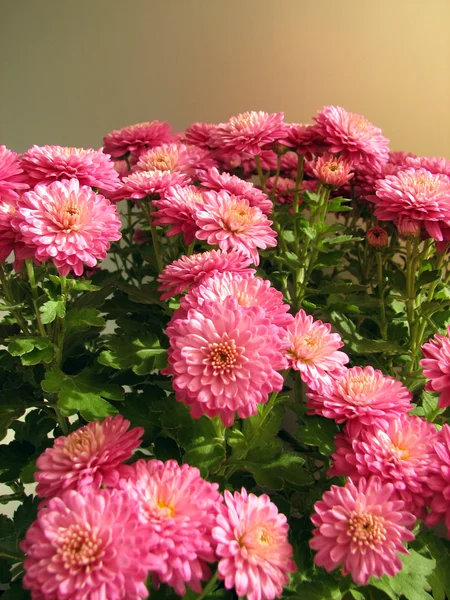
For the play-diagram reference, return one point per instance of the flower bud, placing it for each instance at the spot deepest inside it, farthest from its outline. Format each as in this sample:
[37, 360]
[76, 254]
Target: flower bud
[332, 170]
[377, 237]
[408, 229]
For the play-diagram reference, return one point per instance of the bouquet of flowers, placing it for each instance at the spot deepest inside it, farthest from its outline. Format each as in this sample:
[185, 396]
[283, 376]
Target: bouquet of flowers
[249, 397]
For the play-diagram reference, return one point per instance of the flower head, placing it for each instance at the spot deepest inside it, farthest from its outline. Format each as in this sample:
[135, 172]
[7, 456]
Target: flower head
[67, 223]
[331, 170]
[148, 183]
[231, 222]
[224, 359]
[352, 135]
[175, 158]
[436, 366]
[306, 139]
[439, 480]
[178, 209]
[180, 509]
[364, 394]
[87, 457]
[314, 351]
[136, 138]
[85, 546]
[7, 233]
[198, 134]
[190, 270]
[249, 132]
[12, 179]
[285, 189]
[377, 237]
[46, 164]
[361, 527]
[254, 553]
[437, 166]
[415, 194]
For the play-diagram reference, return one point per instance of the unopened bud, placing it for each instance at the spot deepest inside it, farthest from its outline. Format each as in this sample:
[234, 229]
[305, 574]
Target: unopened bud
[280, 149]
[408, 229]
[377, 237]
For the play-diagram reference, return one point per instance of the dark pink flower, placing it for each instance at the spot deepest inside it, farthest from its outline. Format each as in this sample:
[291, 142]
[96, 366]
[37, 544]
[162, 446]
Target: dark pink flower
[436, 366]
[439, 480]
[178, 209]
[377, 237]
[147, 183]
[7, 233]
[198, 134]
[12, 178]
[136, 138]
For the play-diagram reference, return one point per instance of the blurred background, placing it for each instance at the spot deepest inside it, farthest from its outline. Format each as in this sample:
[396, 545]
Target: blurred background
[72, 71]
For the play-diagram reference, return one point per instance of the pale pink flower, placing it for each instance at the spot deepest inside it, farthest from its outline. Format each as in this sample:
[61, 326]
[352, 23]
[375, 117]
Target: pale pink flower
[362, 528]
[399, 159]
[248, 291]
[439, 480]
[137, 138]
[88, 456]
[198, 134]
[147, 183]
[416, 194]
[254, 553]
[175, 158]
[249, 132]
[180, 509]
[408, 229]
[86, 546]
[236, 186]
[377, 237]
[12, 179]
[436, 366]
[191, 270]
[364, 394]
[352, 135]
[437, 166]
[231, 222]
[68, 224]
[289, 165]
[46, 164]
[178, 209]
[7, 233]
[314, 351]
[400, 452]
[224, 359]
[332, 170]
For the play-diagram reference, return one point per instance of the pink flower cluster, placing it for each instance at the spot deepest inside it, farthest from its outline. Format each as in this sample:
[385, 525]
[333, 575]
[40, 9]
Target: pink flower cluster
[105, 526]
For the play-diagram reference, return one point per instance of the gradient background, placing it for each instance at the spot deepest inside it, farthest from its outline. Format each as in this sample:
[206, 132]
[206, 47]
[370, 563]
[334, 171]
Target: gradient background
[73, 70]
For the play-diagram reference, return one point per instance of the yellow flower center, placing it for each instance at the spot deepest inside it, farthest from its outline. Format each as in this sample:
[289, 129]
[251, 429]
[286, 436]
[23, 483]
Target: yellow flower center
[366, 529]
[79, 548]
[222, 356]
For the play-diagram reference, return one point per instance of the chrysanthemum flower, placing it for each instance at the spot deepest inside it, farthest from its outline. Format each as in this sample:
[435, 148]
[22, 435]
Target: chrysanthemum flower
[176, 158]
[235, 186]
[12, 179]
[198, 134]
[408, 229]
[352, 135]
[364, 394]
[377, 237]
[88, 456]
[416, 194]
[86, 546]
[401, 452]
[178, 209]
[439, 480]
[147, 183]
[436, 366]
[136, 138]
[306, 139]
[190, 270]
[7, 233]
[224, 359]
[314, 351]
[249, 132]
[285, 189]
[248, 291]
[361, 528]
[46, 164]
[437, 166]
[231, 222]
[254, 553]
[180, 508]
[332, 170]
[68, 224]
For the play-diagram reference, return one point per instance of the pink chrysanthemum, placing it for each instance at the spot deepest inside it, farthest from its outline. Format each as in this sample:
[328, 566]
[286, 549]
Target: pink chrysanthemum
[285, 189]
[176, 158]
[249, 132]
[352, 135]
[437, 166]
[361, 528]
[46, 164]
[12, 178]
[254, 553]
[314, 351]
[198, 134]
[147, 183]
[231, 222]
[377, 237]
[7, 233]
[180, 508]
[178, 209]
[436, 366]
[416, 194]
[224, 359]
[86, 546]
[190, 270]
[364, 394]
[439, 480]
[331, 170]
[400, 452]
[88, 456]
[408, 229]
[306, 139]
[136, 138]
[67, 223]
[235, 186]
[248, 291]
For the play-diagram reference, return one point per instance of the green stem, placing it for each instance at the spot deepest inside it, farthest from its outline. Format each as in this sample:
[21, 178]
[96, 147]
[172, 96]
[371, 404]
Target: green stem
[261, 176]
[209, 586]
[10, 299]
[155, 238]
[381, 295]
[190, 248]
[411, 262]
[34, 292]
[262, 179]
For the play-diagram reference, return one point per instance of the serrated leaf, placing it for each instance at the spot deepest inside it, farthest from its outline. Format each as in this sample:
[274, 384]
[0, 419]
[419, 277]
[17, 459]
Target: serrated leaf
[13, 457]
[411, 581]
[318, 431]
[140, 351]
[52, 309]
[25, 514]
[32, 350]
[83, 318]
[374, 346]
[208, 456]
[8, 540]
[10, 410]
[16, 592]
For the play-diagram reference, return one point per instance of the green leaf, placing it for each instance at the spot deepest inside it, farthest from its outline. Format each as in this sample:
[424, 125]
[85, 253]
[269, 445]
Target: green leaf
[32, 350]
[25, 515]
[318, 431]
[13, 458]
[439, 579]
[8, 540]
[83, 318]
[84, 285]
[284, 468]
[52, 309]
[16, 592]
[5, 571]
[412, 581]
[428, 277]
[141, 352]
[374, 346]
[207, 455]
[11, 408]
